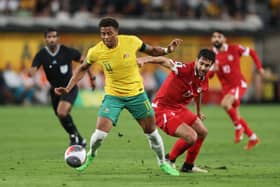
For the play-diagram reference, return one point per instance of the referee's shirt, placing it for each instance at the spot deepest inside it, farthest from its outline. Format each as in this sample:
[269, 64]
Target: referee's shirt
[57, 65]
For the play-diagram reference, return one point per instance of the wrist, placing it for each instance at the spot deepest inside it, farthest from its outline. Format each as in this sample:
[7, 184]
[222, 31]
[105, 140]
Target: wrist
[165, 50]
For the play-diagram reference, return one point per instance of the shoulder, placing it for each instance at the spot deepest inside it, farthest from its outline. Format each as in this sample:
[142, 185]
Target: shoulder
[129, 37]
[96, 47]
[41, 52]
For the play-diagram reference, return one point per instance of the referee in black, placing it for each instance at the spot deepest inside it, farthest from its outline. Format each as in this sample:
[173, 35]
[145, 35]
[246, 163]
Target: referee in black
[56, 60]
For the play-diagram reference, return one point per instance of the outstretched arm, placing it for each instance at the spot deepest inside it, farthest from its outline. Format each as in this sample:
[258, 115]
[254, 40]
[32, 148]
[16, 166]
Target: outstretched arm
[77, 76]
[164, 61]
[158, 51]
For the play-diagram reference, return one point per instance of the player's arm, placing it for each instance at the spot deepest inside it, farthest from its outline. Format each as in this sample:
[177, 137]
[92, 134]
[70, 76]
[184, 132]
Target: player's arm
[163, 61]
[90, 74]
[158, 51]
[77, 76]
[246, 51]
[197, 101]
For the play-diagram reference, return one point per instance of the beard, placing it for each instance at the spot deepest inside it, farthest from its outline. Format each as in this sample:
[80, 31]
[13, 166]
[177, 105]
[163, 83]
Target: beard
[217, 45]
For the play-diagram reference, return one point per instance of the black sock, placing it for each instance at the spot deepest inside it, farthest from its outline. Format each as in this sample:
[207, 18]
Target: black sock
[69, 125]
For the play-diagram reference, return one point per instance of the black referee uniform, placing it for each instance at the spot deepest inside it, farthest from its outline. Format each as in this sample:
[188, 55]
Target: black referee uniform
[58, 69]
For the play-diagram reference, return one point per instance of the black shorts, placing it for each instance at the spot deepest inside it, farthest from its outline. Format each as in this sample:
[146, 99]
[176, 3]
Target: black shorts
[70, 97]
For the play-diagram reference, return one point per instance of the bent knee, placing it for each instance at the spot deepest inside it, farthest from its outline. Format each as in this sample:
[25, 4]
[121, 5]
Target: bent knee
[191, 138]
[61, 113]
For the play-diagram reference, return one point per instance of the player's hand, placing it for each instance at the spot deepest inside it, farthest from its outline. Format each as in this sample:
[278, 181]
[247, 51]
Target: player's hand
[61, 91]
[263, 73]
[141, 61]
[173, 44]
[202, 116]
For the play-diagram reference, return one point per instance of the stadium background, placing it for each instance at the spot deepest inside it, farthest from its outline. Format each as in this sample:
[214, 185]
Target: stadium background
[250, 23]
[33, 143]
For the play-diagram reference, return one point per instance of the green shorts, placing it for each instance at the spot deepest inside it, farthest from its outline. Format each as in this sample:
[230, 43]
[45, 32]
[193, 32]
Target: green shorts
[139, 106]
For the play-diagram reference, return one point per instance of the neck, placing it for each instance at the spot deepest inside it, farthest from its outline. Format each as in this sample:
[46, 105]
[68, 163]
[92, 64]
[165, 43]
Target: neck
[52, 49]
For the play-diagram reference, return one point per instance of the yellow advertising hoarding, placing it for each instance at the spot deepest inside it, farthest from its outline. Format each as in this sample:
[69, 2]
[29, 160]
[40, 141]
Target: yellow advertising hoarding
[20, 48]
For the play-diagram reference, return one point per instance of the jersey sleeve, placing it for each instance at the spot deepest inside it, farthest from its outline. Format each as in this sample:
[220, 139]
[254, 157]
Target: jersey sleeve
[91, 55]
[75, 54]
[37, 60]
[242, 50]
[178, 67]
[138, 42]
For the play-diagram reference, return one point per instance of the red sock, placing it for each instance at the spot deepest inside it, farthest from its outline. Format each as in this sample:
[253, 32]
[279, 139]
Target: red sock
[178, 148]
[193, 151]
[233, 115]
[246, 127]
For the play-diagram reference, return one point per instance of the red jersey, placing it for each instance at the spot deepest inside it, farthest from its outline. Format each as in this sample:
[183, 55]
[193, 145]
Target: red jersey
[228, 63]
[180, 87]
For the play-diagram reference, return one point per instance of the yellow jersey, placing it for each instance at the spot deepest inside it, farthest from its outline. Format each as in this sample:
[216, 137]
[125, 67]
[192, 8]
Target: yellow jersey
[122, 76]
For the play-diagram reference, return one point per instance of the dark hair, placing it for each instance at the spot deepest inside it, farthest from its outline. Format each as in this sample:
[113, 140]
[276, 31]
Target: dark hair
[219, 31]
[208, 54]
[109, 22]
[50, 29]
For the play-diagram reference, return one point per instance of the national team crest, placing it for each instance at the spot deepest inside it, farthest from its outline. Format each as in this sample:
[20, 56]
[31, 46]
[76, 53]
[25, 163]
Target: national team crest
[63, 69]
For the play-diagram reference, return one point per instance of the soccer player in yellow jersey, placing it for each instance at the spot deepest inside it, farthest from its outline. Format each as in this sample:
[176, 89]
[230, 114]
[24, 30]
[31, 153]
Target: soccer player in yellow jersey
[123, 87]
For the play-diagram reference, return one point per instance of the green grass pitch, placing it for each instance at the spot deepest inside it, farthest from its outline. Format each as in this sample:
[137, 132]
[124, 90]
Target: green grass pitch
[33, 145]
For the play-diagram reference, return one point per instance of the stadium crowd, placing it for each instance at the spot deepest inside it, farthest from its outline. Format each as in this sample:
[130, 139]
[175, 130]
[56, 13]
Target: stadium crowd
[267, 11]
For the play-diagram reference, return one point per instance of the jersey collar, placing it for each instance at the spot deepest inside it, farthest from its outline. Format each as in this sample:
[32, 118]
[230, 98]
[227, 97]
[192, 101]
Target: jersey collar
[53, 53]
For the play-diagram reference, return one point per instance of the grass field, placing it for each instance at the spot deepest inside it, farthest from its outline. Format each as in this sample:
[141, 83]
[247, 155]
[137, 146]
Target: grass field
[33, 145]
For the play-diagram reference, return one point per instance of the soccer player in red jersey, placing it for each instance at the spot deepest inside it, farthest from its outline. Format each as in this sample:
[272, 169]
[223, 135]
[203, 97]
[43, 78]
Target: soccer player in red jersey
[227, 68]
[184, 83]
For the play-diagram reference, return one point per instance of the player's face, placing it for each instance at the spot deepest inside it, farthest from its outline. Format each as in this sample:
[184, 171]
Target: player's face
[217, 40]
[52, 39]
[109, 36]
[202, 66]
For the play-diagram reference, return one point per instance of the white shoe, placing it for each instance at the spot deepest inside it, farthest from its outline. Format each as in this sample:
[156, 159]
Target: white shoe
[196, 169]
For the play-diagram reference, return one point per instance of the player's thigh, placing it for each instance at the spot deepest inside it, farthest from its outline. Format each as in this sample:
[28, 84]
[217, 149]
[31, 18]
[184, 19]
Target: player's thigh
[66, 101]
[54, 100]
[227, 100]
[139, 106]
[169, 120]
[111, 108]
[186, 132]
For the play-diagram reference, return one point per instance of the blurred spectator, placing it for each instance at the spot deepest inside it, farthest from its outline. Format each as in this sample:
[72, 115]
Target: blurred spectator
[149, 83]
[274, 6]
[9, 7]
[6, 96]
[14, 83]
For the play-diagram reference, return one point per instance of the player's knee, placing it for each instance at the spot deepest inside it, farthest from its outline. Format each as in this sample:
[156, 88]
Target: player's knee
[225, 105]
[203, 133]
[191, 138]
[61, 113]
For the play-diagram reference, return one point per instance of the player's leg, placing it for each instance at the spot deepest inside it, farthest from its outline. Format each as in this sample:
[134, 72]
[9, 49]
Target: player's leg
[253, 139]
[141, 109]
[227, 104]
[107, 117]
[193, 151]
[65, 121]
[156, 143]
[63, 112]
[187, 137]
